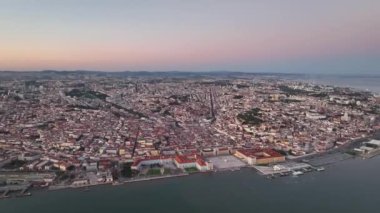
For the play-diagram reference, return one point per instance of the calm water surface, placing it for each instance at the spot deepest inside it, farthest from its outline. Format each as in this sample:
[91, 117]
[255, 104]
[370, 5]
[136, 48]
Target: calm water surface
[369, 83]
[349, 186]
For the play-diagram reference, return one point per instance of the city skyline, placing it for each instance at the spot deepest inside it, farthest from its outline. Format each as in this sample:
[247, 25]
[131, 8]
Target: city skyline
[189, 106]
[249, 36]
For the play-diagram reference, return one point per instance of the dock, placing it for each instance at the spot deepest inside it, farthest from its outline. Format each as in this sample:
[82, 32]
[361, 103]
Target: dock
[11, 191]
[283, 169]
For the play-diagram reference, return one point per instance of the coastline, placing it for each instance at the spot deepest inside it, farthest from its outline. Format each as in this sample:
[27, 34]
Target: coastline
[245, 191]
[338, 150]
[327, 154]
[52, 188]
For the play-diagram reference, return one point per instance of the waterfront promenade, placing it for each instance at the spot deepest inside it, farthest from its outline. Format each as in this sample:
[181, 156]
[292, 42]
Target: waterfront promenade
[348, 186]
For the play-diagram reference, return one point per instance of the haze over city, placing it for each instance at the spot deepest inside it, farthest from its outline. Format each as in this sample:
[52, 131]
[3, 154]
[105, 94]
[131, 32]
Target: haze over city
[341, 36]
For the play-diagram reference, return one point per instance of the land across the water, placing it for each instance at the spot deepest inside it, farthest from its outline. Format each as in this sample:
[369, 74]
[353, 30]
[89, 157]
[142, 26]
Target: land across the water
[346, 186]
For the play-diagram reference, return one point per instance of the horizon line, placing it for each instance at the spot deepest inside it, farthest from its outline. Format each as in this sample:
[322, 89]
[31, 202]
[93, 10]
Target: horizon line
[191, 71]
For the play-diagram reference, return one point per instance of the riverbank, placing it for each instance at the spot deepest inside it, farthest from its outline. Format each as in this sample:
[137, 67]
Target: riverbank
[303, 164]
[154, 178]
[348, 186]
[52, 188]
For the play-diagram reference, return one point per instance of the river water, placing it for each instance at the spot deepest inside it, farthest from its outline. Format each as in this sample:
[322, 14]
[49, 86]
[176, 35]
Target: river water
[362, 82]
[348, 186]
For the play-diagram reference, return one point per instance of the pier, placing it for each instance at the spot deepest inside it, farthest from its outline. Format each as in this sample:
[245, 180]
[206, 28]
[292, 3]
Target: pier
[283, 169]
[11, 191]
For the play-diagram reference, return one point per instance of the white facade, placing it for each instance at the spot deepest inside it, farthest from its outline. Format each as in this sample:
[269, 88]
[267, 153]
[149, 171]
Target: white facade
[185, 165]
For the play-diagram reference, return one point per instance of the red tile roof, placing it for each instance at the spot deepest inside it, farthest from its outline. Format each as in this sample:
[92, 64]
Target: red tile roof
[181, 159]
[163, 157]
[260, 153]
[201, 162]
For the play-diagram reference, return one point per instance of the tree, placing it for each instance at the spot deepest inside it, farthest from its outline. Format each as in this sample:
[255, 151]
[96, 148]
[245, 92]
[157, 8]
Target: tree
[126, 170]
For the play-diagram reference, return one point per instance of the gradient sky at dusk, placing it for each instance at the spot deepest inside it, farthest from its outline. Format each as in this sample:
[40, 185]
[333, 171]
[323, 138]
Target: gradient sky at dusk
[337, 36]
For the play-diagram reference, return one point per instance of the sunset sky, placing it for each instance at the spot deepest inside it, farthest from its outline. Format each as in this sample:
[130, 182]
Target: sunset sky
[324, 36]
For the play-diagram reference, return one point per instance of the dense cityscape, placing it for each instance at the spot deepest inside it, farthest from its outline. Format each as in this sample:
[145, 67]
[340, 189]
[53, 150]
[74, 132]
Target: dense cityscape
[87, 130]
[189, 106]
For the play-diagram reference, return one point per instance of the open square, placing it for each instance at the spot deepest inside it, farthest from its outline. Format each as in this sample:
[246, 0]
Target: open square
[226, 162]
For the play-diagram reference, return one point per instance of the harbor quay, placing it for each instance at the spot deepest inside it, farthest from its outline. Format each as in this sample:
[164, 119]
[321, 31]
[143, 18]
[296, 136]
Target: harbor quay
[284, 168]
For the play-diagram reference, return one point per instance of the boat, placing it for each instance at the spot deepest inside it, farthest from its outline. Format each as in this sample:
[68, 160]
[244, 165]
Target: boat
[296, 173]
[25, 194]
[283, 174]
[306, 170]
[116, 183]
[4, 196]
[320, 169]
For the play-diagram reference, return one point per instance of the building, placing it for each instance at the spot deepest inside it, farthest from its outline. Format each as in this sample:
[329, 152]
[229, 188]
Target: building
[345, 117]
[90, 165]
[26, 177]
[373, 143]
[371, 147]
[137, 164]
[259, 156]
[80, 182]
[29, 156]
[222, 151]
[207, 152]
[63, 166]
[191, 161]
[104, 164]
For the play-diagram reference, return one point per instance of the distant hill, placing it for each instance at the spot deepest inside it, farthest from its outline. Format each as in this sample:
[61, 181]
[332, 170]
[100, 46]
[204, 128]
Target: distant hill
[54, 74]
